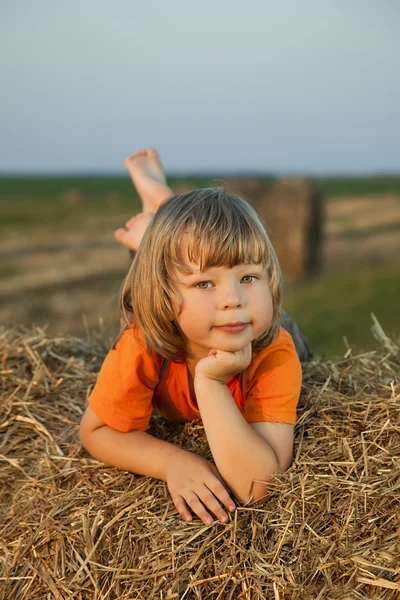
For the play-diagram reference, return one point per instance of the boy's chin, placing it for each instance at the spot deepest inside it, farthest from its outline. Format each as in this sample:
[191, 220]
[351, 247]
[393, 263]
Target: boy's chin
[233, 346]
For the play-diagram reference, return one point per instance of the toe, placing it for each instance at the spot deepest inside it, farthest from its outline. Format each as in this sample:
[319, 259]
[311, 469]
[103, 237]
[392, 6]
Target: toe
[134, 155]
[130, 222]
[120, 234]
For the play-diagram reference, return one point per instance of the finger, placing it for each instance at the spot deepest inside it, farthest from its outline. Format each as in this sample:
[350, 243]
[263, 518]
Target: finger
[198, 508]
[221, 491]
[211, 502]
[220, 478]
[182, 508]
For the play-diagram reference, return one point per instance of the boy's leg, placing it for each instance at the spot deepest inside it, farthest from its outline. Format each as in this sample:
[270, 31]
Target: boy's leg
[148, 176]
[132, 234]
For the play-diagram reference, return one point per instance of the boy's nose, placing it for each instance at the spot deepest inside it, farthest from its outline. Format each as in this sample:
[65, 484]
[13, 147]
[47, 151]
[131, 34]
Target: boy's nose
[231, 298]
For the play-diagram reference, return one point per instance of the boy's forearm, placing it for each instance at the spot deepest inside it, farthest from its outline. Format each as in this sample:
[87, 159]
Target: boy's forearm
[240, 453]
[136, 451]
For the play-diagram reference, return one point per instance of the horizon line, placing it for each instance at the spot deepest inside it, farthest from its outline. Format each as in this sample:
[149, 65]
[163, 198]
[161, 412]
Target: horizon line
[202, 173]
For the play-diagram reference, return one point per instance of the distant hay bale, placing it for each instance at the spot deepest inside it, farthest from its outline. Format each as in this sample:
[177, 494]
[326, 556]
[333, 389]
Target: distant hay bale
[182, 188]
[114, 197]
[292, 208]
[293, 212]
[72, 196]
[71, 527]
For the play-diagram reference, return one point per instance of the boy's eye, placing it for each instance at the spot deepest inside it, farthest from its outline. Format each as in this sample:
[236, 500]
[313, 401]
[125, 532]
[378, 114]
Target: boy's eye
[203, 285]
[248, 278]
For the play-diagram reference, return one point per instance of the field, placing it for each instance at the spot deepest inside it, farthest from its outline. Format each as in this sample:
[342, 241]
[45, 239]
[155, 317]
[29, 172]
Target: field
[60, 266]
[74, 527]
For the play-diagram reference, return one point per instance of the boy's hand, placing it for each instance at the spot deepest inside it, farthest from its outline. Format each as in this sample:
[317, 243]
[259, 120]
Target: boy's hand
[194, 481]
[221, 366]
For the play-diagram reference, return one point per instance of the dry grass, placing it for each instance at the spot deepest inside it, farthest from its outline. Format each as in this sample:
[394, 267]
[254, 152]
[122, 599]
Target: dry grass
[74, 528]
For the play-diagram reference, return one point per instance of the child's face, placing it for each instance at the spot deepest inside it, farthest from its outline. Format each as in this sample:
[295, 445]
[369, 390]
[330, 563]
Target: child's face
[223, 296]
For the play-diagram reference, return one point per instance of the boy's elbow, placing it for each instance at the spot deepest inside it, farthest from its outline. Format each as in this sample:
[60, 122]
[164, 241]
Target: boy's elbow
[89, 423]
[285, 464]
[260, 491]
[83, 435]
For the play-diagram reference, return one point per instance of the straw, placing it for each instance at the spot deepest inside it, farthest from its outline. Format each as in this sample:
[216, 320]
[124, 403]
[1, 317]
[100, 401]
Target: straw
[72, 527]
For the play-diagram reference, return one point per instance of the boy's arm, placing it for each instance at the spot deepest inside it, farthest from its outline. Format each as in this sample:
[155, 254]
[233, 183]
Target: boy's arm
[241, 452]
[136, 451]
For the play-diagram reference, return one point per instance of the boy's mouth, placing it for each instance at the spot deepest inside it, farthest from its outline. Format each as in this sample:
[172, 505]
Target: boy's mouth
[233, 327]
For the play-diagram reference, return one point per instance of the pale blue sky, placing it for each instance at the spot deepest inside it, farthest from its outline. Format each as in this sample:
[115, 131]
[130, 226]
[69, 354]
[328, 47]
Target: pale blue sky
[302, 86]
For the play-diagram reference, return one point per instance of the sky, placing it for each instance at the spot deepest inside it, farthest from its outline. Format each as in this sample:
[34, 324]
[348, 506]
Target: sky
[300, 87]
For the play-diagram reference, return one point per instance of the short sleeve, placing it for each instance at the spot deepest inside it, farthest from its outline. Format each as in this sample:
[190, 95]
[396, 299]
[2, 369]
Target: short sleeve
[273, 384]
[122, 396]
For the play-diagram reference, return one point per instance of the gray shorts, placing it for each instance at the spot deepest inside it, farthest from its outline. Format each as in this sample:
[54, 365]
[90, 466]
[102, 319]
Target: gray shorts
[300, 341]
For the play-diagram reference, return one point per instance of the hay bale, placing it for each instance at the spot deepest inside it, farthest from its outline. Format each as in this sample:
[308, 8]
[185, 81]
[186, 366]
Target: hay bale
[114, 197]
[72, 196]
[292, 208]
[72, 527]
[251, 188]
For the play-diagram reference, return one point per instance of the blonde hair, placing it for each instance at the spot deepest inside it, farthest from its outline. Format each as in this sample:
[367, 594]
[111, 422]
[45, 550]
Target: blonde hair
[221, 229]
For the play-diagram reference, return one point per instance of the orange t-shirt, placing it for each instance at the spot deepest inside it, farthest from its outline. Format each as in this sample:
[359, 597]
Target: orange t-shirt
[128, 388]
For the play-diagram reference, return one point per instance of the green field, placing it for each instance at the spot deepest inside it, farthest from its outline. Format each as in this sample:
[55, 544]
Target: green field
[339, 305]
[336, 305]
[32, 201]
[101, 186]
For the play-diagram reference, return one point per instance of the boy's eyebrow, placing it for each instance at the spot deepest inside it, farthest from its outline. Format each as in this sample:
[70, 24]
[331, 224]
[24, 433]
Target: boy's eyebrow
[190, 272]
[198, 271]
[194, 271]
[187, 270]
[182, 275]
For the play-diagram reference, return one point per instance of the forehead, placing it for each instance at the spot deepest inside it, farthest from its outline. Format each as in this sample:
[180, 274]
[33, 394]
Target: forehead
[195, 254]
[193, 269]
[190, 267]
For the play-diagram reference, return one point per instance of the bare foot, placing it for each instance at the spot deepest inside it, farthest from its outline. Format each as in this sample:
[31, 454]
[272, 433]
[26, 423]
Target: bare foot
[148, 176]
[132, 235]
